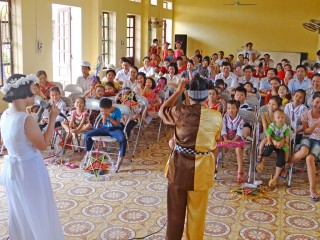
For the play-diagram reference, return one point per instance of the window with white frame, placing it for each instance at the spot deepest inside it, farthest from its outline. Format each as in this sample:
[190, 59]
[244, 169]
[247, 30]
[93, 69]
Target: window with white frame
[6, 51]
[164, 31]
[167, 5]
[154, 2]
[131, 28]
[106, 39]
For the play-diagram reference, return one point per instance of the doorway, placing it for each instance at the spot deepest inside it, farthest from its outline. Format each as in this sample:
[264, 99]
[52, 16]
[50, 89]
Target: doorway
[67, 44]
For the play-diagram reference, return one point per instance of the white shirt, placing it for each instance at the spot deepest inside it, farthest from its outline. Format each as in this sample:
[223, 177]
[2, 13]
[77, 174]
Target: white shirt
[61, 105]
[231, 80]
[246, 53]
[175, 79]
[255, 63]
[85, 82]
[270, 63]
[129, 84]
[149, 71]
[234, 125]
[253, 80]
[123, 76]
[294, 114]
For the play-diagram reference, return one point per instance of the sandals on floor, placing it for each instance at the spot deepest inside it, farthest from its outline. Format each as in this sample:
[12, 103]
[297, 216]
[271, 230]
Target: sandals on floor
[71, 165]
[239, 177]
[284, 173]
[315, 198]
[260, 167]
[272, 183]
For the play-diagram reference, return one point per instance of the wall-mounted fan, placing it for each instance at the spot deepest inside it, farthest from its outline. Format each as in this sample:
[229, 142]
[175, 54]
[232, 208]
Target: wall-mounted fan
[155, 23]
[238, 4]
[313, 25]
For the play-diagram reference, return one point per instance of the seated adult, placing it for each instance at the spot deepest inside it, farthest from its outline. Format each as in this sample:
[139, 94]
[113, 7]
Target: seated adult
[274, 87]
[268, 62]
[281, 73]
[123, 74]
[240, 61]
[310, 147]
[247, 77]
[86, 78]
[173, 78]
[253, 60]
[315, 80]
[190, 72]
[132, 82]
[44, 85]
[227, 76]
[110, 77]
[180, 65]
[299, 81]
[265, 82]
[203, 71]
[147, 69]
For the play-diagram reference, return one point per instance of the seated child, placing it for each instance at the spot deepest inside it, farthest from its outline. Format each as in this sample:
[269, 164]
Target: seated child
[241, 95]
[153, 100]
[161, 88]
[128, 98]
[98, 93]
[220, 83]
[79, 120]
[232, 131]
[266, 119]
[90, 92]
[111, 126]
[278, 139]
[212, 101]
[55, 97]
[284, 94]
[110, 90]
[251, 91]
[219, 98]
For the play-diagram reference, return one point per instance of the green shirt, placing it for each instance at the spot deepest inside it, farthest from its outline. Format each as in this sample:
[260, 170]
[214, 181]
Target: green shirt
[278, 133]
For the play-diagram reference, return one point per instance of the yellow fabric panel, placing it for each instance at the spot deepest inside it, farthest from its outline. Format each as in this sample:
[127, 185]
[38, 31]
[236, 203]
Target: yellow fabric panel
[197, 203]
[210, 125]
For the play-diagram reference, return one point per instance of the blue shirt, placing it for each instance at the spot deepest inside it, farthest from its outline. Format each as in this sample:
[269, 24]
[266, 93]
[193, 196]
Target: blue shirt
[116, 115]
[294, 84]
[264, 84]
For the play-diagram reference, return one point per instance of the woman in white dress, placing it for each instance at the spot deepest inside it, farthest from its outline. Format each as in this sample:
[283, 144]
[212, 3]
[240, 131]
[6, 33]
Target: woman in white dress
[33, 213]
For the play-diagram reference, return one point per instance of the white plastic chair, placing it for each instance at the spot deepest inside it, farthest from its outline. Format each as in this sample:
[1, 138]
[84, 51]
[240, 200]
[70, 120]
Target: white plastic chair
[73, 96]
[125, 112]
[72, 88]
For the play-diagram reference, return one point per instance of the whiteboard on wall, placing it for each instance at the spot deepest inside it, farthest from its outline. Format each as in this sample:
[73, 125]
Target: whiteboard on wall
[293, 57]
[277, 56]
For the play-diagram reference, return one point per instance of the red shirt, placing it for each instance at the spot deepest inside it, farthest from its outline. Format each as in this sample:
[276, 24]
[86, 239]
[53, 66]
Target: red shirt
[281, 75]
[184, 67]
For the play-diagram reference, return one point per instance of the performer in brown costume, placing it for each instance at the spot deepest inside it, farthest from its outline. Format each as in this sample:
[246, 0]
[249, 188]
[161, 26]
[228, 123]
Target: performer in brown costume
[191, 165]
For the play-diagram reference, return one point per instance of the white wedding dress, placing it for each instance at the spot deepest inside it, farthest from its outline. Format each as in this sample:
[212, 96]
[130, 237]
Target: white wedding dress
[33, 213]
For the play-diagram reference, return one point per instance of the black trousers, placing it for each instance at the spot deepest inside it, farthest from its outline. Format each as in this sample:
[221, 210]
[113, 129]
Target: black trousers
[267, 150]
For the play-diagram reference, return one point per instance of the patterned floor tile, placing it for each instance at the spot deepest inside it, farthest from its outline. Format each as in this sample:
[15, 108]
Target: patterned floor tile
[132, 203]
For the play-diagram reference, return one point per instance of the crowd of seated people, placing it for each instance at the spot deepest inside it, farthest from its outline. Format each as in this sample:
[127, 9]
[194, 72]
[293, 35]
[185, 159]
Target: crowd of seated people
[294, 89]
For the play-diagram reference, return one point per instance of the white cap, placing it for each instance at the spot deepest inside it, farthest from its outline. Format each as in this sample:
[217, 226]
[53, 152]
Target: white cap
[109, 67]
[86, 64]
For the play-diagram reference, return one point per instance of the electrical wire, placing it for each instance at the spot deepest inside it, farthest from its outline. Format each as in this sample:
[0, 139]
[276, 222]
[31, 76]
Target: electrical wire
[150, 233]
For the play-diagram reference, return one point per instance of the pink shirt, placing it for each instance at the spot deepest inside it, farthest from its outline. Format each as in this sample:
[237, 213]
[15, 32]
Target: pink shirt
[306, 116]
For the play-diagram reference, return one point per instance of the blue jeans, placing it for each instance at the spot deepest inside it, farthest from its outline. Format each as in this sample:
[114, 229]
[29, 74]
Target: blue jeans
[115, 132]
